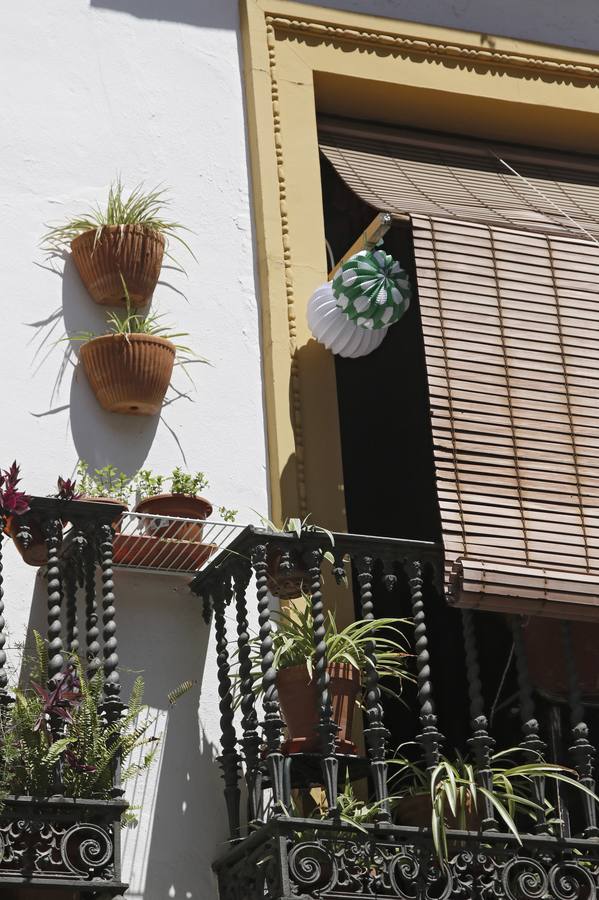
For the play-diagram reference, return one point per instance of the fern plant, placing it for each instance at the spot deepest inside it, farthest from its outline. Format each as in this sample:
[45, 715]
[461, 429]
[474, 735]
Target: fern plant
[141, 207]
[87, 748]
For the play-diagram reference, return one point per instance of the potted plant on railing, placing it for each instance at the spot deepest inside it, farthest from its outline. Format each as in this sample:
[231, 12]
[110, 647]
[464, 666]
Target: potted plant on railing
[14, 503]
[287, 574]
[451, 795]
[125, 241]
[293, 648]
[129, 368]
[86, 747]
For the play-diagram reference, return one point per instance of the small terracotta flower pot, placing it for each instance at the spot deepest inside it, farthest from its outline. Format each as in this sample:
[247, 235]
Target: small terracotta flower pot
[130, 251]
[129, 373]
[300, 702]
[179, 506]
[286, 585]
[156, 552]
[417, 809]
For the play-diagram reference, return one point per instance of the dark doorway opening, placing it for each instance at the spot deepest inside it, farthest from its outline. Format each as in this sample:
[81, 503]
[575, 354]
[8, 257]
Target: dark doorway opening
[390, 491]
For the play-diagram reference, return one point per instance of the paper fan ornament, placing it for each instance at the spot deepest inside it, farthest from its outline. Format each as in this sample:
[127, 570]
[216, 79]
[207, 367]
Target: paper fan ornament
[332, 328]
[351, 314]
[372, 289]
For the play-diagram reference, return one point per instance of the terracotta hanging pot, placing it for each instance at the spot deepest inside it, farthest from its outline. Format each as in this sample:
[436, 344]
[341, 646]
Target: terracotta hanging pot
[544, 646]
[131, 251]
[129, 373]
[178, 506]
[299, 699]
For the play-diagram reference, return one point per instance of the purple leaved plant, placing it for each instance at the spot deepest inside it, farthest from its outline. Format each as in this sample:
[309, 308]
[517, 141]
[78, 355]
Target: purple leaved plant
[58, 702]
[66, 489]
[12, 501]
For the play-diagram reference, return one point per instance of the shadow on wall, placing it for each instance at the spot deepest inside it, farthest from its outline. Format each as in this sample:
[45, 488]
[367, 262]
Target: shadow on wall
[100, 437]
[179, 801]
[205, 13]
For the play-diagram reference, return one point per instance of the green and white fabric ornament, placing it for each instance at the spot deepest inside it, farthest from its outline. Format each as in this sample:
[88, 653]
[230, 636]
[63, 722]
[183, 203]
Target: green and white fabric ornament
[372, 289]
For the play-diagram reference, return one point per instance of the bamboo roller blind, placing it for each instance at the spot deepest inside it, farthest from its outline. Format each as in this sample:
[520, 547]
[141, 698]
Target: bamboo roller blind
[510, 319]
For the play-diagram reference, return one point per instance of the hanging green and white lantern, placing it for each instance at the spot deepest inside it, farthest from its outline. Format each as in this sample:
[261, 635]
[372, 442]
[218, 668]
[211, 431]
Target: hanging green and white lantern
[372, 289]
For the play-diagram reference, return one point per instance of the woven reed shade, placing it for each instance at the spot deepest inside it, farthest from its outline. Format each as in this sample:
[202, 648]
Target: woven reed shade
[510, 318]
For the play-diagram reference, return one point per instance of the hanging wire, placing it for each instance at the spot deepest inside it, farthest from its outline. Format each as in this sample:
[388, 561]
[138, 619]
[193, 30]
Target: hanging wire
[548, 200]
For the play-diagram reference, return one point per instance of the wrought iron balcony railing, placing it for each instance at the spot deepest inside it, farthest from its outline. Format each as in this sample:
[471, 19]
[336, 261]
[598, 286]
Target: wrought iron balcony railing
[481, 666]
[57, 840]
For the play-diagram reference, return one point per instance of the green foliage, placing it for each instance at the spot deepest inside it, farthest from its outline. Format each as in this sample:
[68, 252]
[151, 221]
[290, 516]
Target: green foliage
[184, 483]
[293, 645]
[227, 515]
[146, 484]
[141, 207]
[456, 789]
[106, 482]
[87, 750]
[298, 526]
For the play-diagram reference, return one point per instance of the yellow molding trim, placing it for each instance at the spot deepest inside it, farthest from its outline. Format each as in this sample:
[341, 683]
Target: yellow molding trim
[442, 51]
[297, 56]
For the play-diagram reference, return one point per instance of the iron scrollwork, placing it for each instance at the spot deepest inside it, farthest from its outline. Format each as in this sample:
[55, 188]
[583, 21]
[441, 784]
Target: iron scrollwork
[49, 843]
[333, 865]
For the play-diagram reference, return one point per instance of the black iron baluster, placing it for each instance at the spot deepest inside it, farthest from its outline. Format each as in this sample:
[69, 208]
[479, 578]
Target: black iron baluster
[112, 705]
[481, 742]
[273, 724]
[92, 635]
[70, 583]
[430, 738]
[5, 698]
[530, 724]
[228, 759]
[250, 740]
[52, 530]
[327, 728]
[582, 751]
[375, 732]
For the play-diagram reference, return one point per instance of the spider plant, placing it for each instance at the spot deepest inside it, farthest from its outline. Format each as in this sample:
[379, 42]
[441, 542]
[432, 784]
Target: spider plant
[455, 789]
[141, 207]
[293, 645]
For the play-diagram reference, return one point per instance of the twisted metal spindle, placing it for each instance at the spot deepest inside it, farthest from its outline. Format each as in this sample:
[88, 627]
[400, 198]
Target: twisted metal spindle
[481, 742]
[228, 759]
[273, 724]
[5, 698]
[430, 738]
[52, 529]
[326, 728]
[70, 583]
[112, 705]
[531, 742]
[250, 740]
[92, 631]
[582, 751]
[375, 732]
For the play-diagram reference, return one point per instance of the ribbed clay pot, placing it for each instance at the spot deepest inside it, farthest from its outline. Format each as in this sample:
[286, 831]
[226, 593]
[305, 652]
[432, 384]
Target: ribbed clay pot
[130, 251]
[129, 373]
[179, 506]
[300, 702]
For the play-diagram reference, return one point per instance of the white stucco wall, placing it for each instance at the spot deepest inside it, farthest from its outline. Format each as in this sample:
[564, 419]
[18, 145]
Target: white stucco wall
[88, 92]
[152, 89]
